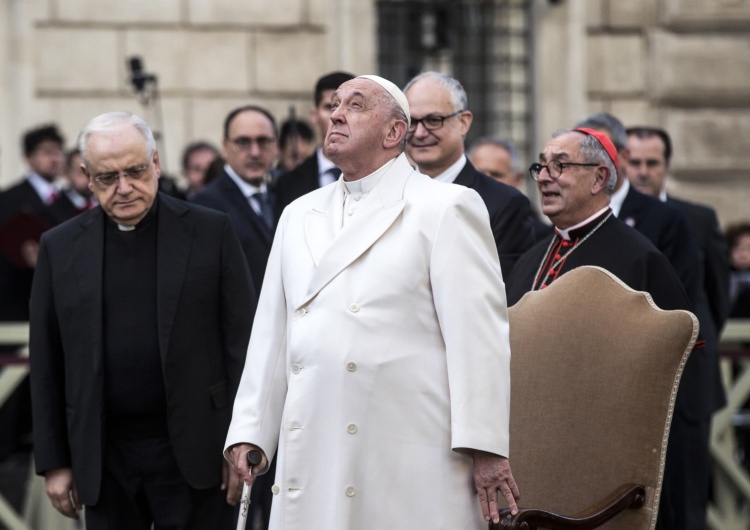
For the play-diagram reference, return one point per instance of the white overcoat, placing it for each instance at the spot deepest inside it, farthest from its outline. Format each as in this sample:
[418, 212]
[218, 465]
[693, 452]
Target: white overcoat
[379, 350]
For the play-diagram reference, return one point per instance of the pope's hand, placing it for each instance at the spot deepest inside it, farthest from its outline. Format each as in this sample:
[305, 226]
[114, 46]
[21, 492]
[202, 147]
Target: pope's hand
[492, 474]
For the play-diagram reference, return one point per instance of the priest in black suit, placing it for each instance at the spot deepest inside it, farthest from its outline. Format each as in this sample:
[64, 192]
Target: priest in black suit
[250, 149]
[316, 170]
[440, 120]
[650, 151]
[575, 176]
[141, 312]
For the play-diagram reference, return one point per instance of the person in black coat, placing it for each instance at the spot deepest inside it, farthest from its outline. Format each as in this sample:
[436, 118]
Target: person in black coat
[250, 151]
[440, 121]
[316, 170]
[141, 313]
[650, 151]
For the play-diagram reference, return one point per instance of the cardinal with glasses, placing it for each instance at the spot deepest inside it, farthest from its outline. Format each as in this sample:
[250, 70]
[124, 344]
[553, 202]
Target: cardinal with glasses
[575, 177]
[141, 311]
[435, 144]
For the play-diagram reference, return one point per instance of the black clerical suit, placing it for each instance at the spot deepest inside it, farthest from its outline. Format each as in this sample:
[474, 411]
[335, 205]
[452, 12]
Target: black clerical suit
[295, 183]
[203, 306]
[255, 237]
[509, 211]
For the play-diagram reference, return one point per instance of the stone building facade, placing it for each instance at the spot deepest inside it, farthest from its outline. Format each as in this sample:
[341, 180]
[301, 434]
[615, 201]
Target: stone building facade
[681, 64]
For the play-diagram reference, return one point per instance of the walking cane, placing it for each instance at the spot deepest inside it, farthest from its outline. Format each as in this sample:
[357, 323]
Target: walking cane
[253, 459]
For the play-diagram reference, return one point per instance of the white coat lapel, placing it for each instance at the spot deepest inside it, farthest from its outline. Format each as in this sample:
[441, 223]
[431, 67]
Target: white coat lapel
[323, 224]
[377, 213]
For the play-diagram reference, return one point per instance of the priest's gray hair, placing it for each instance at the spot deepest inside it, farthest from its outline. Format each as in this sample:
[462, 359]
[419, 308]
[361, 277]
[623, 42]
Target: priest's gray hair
[106, 122]
[593, 152]
[455, 88]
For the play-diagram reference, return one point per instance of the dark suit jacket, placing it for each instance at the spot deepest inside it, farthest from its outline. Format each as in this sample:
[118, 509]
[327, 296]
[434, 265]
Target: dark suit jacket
[205, 304]
[509, 211]
[15, 283]
[224, 195]
[712, 303]
[297, 182]
[669, 231]
[20, 197]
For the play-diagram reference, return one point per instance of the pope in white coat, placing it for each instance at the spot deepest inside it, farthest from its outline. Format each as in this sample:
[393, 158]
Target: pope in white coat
[379, 360]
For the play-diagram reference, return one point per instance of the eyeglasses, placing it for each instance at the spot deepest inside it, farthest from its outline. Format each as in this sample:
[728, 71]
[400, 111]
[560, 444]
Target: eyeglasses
[106, 180]
[431, 122]
[554, 168]
[245, 142]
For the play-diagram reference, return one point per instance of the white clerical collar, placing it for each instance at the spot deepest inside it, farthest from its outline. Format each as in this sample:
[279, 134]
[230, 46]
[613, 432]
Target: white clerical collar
[366, 184]
[618, 197]
[565, 232]
[663, 195]
[247, 189]
[323, 163]
[450, 174]
[43, 188]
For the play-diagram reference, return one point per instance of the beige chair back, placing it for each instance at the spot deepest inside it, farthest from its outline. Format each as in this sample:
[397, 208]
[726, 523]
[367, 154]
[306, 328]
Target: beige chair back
[595, 368]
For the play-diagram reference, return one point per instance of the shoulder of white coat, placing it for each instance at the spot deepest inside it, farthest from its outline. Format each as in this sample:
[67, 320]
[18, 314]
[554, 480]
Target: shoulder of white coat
[316, 199]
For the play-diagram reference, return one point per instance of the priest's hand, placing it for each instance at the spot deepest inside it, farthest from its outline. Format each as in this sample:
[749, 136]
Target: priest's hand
[61, 490]
[492, 475]
[231, 481]
[238, 458]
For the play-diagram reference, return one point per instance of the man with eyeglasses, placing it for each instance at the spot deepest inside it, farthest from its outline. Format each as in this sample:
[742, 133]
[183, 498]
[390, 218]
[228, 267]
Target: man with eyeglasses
[435, 143]
[141, 311]
[575, 177]
[250, 150]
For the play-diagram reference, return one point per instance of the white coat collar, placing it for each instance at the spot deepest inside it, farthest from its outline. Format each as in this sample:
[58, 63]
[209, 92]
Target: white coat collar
[333, 248]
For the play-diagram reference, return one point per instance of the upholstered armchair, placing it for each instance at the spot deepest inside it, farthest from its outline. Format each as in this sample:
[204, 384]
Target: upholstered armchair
[595, 369]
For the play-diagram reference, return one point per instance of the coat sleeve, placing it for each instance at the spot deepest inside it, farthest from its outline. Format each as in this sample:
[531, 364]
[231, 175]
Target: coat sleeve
[470, 302]
[238, 303]
[259, 404]
[47, 372]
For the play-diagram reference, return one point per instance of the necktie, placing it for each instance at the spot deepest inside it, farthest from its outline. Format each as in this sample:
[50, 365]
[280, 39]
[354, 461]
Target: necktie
[264, 206]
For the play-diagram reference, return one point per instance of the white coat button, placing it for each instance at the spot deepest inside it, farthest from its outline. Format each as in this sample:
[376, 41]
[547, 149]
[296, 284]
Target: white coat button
[275, 489]
[356, 197]
[350, 491]
[353, 308]
[295, 368]
[350, 212]
[351, 428]
[351, 366]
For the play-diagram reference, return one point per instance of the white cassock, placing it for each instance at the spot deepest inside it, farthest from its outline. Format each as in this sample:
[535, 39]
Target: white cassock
[380, 346]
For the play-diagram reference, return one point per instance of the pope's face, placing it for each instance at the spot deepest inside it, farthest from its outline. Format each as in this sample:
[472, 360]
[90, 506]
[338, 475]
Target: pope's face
[360, 121]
